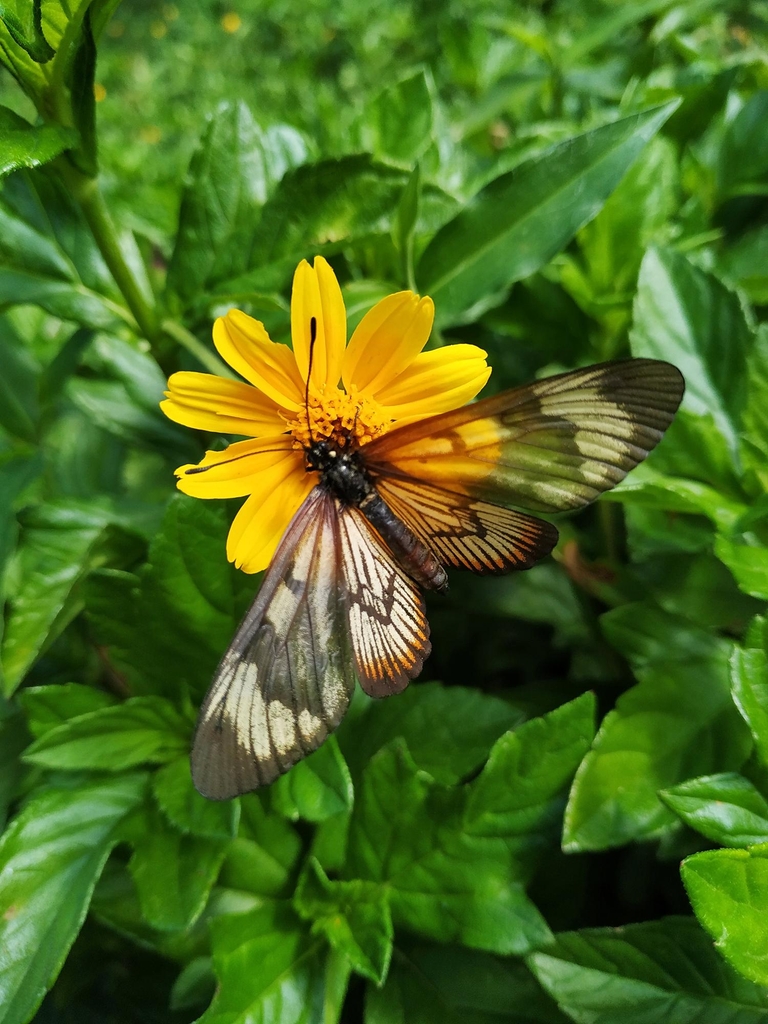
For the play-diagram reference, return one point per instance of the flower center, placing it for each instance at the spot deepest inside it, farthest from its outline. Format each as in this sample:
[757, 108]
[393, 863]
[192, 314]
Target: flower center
[344, 418]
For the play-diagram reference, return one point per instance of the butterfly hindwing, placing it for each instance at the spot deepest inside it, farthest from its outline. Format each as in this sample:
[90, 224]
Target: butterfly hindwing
[466, 533]
[286, 680]
[388, 626]
[550, 446]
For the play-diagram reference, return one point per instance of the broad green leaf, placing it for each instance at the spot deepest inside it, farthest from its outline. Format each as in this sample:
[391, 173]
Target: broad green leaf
[173, 873]
[754, 439]
[399, 120]
[13, 739]
[744, 151]
[744, 263]
[194, 986]
[283, 982]
[729, 893]
[317, 788]
[231, 174]
[456, 858]
[455, 985]
[142, 730]
[519, 221]
[353, 916]
[448, 730]
[170, 627]
[690, 318]
[678, 721]
[47, 707]
[19, 408]
[264, 857]
[658, 971]
[727, 808]
[647, 636]
[24, 23]
[50, 858]
[749, 684]
[60, 543]
[26, 145]
[748, 563]
[189, 812]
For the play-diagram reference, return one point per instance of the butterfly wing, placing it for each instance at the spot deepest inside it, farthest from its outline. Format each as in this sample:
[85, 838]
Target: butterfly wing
[388, 626]
[464, 532]
[550, 446]
[286, 680]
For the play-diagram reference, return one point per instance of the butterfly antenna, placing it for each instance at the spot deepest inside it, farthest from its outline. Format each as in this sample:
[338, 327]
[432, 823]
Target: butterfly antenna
[312, 340]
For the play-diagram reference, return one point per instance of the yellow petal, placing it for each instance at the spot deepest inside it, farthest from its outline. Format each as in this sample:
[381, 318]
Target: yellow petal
[316, 295]
[241, 469]
[387, 340]
[262, 520]
[206, 402]
[437, 381]
[244, 343]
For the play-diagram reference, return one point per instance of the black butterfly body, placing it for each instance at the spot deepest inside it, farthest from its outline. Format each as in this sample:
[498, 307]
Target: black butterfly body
[341, 598]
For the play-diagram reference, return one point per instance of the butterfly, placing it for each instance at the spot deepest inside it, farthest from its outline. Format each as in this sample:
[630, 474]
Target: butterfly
[343, 596]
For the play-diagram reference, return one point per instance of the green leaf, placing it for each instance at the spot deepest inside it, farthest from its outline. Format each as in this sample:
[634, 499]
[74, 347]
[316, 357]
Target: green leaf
[283, 983]
[749, 684]
[455, 985]
[754, 448]
[689, 318]
[47, 707]
[142, 730]
[231, 174]
[26, 145]
[13, 739]
[748, 563]
[399, 120]
[744, 151]
[448, 730]
[729, 893]
[727, 808]
[678, 721]
[353, 916]
[658, 971]
[19, 410]
[23, 21]
[174, 873]
[189, 812]
[194, 986]
[60, 543]
[317, 788]
[519, 221]
[263, 858]
[50, 858]
[744, 264]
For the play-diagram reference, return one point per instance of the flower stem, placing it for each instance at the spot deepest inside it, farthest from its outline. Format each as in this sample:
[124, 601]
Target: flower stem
[87, 193]
[196, 348]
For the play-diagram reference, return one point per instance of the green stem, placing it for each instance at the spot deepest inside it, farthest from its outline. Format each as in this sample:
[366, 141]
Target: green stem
[88, 195]
[196, 348]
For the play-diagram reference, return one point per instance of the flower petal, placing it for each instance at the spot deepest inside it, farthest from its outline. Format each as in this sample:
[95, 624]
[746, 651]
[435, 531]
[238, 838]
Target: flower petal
[437, 381]
[241, 468]
[206, 402]
[244, 343]
[261, 522]
[387, 340]
[316, 294]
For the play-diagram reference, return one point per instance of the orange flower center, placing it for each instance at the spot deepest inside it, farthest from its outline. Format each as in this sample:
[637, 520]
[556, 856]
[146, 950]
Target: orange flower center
[345, 418]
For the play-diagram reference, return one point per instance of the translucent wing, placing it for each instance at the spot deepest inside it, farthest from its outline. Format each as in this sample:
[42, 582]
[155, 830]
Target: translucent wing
[550, 446]
[286, 680]
[388, 627]
[464, 532]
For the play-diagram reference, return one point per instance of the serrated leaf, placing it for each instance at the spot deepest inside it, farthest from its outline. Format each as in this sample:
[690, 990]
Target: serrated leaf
[50, 858]
[264, 856]
[26, 145]
[519, 221]
[47, 707]
[353, 916]
[24, 23]
[727, 808]
[317, 788]
[142, 730]
[186, 809]
[663, 970]
[729, 893]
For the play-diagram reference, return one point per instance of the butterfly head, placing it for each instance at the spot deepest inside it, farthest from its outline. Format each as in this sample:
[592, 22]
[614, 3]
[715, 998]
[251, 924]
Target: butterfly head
[341, 470]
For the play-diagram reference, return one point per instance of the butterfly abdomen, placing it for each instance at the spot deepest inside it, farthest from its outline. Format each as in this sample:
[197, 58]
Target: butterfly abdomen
[416, 558]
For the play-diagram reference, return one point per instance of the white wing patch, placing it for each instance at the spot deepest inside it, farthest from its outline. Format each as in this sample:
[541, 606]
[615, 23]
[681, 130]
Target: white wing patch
[388, 627]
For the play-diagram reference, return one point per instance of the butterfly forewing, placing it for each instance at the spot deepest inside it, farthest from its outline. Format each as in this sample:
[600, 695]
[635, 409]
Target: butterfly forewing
[466, 533]
[550, 446]
[286, 680]
[387, 622]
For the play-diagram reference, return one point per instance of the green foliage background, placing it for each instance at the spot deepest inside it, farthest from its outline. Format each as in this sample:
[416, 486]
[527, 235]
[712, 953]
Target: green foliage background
[502, 844]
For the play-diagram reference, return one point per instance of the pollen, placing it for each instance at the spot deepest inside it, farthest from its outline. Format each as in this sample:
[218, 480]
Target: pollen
[346, 418]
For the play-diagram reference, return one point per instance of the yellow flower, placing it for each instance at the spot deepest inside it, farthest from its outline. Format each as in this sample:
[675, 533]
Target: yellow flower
[387, 380]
